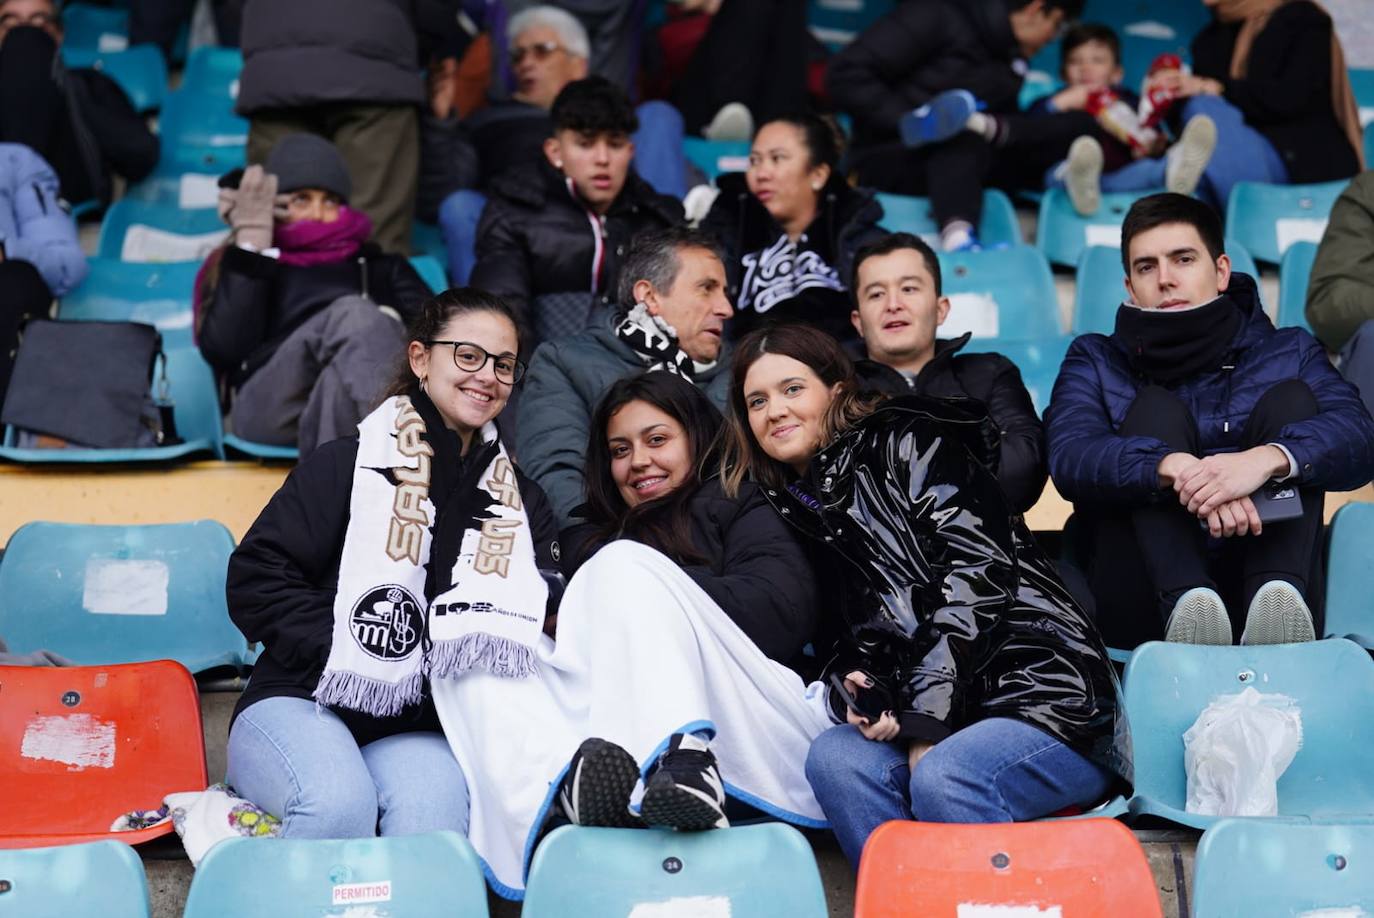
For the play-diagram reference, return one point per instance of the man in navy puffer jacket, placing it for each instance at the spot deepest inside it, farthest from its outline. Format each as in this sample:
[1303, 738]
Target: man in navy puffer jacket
[1168, 433]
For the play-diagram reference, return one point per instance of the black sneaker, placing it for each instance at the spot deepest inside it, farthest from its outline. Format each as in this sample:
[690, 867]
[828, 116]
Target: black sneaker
[685, 791]
[596, 789]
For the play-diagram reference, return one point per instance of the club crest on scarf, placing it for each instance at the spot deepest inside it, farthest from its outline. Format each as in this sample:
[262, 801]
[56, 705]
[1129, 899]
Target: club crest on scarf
[387, 623]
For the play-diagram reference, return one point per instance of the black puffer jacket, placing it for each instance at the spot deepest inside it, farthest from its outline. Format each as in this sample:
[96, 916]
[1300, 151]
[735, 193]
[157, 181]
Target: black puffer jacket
[945, 597]
[846, 221]
[993, 380]
[1286, 91]
[754, 567]
[535, 238]
[919, 50]
[252, 302]
[284, 574]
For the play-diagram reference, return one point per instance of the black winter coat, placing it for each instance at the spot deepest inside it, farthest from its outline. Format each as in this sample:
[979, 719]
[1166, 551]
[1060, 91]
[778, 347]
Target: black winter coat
[256, 302]
[846, 221]
[535, 238]
[283, 576]
[921, 49]
[1286, 92]
[945, 597]
[123, 144]
[754, 567]
[995, 382]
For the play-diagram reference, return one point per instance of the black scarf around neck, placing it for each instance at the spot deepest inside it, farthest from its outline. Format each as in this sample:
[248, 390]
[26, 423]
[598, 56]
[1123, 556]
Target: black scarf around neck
[1168, 346]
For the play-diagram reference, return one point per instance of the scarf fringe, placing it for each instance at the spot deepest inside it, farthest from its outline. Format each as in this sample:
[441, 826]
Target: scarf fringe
[497, 655]
[377, 697]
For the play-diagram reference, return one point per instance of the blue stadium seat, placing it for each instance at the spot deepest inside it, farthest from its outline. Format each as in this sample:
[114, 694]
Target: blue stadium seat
[716, 157]
[140, 71]
[121, 594]
[200, 132]
[1349, 606]
[998, 226]
[1246, 868]
[760, 870]
[431, 271]
[1362, 82]
[236, 444]
[159, 294]
[102, 878]
[1038, 361]
[1294, 271]
[191, 387]
[421, 875]
[1000, 294]
[1266, 219]
[185, 184]
[89, 29]
[836, 22]
[426, 239]
[213, 72]
[1332, 681]
[1062, 233]
[142, 232]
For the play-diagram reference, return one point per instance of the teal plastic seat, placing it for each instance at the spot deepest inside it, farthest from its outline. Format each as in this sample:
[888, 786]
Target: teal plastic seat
[102, 878]
[1038, 360]
[1362, 82]
[1349, 604]
[761, 870]
[425, 239]
[213, 71]
[1062, 233]
[140, 71]
[100, 595]
[716, 157]
[1369, 141]
[159, 294]
[236, 444]
[1332, 682]
[160, 232]
[200, 132]
[998, 225]
[435, 875]
[834, 23]
[188, 180]
[1267, 219]
[1000, 294]
[1248, 867]
[431, 271]
[90, 29]
[1294, 272]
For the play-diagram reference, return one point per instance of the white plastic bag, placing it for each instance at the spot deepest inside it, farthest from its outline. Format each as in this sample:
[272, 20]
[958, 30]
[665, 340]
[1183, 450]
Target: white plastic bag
[1237, 749]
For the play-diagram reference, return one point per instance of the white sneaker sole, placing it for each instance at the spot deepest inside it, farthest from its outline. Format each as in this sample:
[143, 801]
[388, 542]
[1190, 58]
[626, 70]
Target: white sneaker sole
[1199, 617]
[1278, 615]
[1083, 177]
[1188, 159]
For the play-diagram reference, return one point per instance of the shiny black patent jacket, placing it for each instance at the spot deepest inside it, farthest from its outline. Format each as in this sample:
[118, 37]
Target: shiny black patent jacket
[943, 595]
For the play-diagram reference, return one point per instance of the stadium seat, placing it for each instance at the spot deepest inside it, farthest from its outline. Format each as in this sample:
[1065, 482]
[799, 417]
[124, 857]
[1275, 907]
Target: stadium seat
[200, 132]
[190, 386]
[834, 23]
[140, 71]
[1038, 361]
[435, 875]
[1062, 233]
[189, 186]
[1003, 293]
[1362, 82]
[159, 294]
[90, 29]
[213, 71]
[1070, 868]
[121, 594]
[1168, 685]
[997, 227]
[1349, 606]
[102, 878]
[716, 157]
[761, 870]
[138, 231]
[1267, 219]
[81, 746]
[431, 271]
[426, 239]
[1246, 868]
[1294, 271]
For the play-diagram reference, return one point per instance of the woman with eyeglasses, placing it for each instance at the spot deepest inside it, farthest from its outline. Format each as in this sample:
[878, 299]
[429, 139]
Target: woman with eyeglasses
[298, 313]
[411, 552]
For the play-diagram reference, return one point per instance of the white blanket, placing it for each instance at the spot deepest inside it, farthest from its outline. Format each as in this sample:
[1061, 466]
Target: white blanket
[642, 653]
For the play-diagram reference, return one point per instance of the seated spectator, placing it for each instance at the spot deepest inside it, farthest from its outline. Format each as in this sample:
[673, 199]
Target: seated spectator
[790, 226]
[974, 689]
[298, 314]
[898, 306]
[1340, 293]
[352, 75]
[337, 735]
[553, 234]
[1168, 433]
[671, 315]
[920, 50]
[80, 121]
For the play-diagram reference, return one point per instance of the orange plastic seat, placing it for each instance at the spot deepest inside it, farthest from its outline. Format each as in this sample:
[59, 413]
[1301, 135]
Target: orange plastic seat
[1069, 869]
[82, 745]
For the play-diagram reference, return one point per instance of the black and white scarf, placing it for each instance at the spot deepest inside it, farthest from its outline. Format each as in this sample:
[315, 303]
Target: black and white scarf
[655, 342]
[388, 637]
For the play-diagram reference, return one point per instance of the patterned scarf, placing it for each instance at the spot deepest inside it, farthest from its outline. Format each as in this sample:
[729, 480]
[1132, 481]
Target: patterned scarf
[655, 341]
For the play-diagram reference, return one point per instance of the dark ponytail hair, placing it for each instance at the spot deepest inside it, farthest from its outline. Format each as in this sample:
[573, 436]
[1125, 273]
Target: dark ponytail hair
[822, 137]
[664, 524]
[435, 313]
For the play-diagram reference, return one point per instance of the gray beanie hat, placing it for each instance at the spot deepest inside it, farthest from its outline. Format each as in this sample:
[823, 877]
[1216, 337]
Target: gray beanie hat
[309, 161]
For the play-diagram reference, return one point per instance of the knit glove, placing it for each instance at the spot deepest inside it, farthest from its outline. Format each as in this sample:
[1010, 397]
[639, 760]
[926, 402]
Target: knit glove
[251, 213]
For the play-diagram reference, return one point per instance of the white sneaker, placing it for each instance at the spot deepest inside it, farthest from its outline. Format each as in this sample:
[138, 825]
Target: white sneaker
[1199, 617]
[1186, 160]
[1278, 615]
[732, 122]
[1083, 175]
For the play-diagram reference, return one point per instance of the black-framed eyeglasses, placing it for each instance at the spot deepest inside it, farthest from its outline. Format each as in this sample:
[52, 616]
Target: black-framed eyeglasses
[470, 358]
[541, 51]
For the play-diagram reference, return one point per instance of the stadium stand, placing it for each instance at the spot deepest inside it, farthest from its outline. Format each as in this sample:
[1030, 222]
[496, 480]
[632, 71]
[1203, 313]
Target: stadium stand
[1267, 219]
[98, 878]
[1349, 613]
[997, 228]
[1295, 268]
[140, 71]
[1000, 295]
[1062, 233]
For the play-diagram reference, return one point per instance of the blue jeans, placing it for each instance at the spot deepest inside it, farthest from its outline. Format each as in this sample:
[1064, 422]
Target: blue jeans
[300, 763]
[997, 770]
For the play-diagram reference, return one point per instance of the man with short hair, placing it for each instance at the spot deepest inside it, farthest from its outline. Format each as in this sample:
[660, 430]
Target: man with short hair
[671, 314]
[1197, 443]
[898, 307]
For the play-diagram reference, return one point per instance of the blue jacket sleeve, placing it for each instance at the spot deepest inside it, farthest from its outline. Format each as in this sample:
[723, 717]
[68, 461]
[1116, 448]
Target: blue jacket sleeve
[46, 233]
[1089, 461]
[1333, 451]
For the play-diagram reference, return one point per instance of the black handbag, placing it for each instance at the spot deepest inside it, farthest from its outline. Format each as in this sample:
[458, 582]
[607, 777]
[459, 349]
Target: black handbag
[88, 384]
